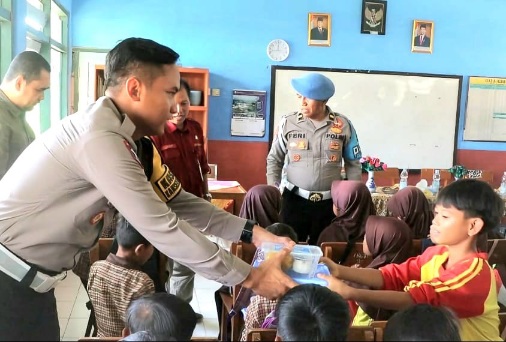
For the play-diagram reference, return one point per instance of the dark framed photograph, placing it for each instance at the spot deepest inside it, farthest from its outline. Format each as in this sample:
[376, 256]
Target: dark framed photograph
[422, 36]
[374, 17]
[318, 29]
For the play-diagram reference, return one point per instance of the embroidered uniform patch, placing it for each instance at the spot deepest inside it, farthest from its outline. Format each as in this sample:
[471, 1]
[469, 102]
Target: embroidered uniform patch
[167, 186]
[97, 218]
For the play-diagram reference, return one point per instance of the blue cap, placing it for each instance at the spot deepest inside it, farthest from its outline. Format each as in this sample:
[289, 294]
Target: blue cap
[314, 86]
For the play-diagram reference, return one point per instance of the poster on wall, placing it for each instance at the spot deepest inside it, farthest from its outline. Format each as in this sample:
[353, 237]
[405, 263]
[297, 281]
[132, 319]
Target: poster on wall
[248, 113]
[486, 109]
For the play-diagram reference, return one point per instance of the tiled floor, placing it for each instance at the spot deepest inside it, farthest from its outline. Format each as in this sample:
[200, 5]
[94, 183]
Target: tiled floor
[71, 298]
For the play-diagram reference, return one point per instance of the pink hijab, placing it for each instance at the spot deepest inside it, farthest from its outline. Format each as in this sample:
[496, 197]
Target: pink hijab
[354, 202]
[411, 205]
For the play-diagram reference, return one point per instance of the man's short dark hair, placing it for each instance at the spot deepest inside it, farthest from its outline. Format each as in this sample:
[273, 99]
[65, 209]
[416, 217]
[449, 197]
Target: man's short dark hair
[475, 198]
[137, 56]
[161, 314]
[311, 312]
[127, 236]
[423, 322]
[423, 26]
[319, 19]
[29, 64]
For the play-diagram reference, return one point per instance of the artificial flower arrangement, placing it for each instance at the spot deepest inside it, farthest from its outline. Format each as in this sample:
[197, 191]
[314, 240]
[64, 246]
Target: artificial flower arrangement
[372, 164]
[458, 171]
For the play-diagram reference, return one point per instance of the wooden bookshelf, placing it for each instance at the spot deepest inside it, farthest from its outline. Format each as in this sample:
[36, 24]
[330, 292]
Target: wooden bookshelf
[99, 81]
[197, 78]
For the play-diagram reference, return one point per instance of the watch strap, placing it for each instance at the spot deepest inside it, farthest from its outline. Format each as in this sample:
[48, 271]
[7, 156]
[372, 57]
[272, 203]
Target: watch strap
[247, 231]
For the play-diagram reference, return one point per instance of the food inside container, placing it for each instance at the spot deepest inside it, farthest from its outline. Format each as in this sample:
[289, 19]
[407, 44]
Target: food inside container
[302, 263]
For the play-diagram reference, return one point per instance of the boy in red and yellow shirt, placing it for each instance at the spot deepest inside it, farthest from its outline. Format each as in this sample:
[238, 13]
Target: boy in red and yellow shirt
[453, 273]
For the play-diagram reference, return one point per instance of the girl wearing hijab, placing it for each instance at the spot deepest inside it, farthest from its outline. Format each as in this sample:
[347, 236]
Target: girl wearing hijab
[262, 204]
[352, 206]
[387, 240]
[411, 206]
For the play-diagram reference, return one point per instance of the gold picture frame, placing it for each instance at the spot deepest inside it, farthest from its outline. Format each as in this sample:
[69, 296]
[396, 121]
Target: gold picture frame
[318, 29]
[422, 38]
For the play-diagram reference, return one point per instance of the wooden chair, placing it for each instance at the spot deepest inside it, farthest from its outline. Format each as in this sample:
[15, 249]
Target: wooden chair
[388, 177]
[416, 248]
[98, 252]
[261, 335]
[246, 252]
[484, 175]
[114, 339]
[361, 334]
[99, 339]
[335, 251]
[446, 176]
[354, 334]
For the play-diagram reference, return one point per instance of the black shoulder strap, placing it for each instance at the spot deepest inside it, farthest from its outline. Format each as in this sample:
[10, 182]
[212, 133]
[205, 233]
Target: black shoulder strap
[145, 154]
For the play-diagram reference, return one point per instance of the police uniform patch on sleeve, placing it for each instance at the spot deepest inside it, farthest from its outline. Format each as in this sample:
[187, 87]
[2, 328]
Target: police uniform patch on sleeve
[357, 153]
[167, 186]
[132, 152]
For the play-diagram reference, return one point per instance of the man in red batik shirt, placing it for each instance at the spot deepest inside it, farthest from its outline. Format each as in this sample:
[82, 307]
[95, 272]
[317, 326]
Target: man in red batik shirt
[182, 150]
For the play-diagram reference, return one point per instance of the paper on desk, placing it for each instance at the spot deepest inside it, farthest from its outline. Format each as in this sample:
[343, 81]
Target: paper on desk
[217, 185]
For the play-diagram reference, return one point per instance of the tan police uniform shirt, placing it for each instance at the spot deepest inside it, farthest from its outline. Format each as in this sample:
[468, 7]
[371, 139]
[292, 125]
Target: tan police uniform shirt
[314, 151]
[54, 200]
[15, 133]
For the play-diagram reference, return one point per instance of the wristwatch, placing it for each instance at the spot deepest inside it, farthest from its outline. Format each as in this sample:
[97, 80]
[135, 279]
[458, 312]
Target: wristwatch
[247, 231]
[208, 196]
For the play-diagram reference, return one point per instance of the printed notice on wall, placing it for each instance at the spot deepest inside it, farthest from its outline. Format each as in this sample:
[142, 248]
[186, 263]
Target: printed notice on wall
[248, 113]
[486, 109]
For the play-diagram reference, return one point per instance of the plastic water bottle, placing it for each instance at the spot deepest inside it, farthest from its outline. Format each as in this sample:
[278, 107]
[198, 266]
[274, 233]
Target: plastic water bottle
[436, 181]
[404, 179]
[502, 188]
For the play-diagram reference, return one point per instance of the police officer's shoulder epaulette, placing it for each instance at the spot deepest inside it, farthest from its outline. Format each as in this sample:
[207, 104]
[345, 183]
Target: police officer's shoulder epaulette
[289, 115]
[339, 115]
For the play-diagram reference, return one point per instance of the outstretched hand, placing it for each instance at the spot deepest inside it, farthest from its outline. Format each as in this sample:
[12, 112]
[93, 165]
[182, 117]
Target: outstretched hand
[336, 285]
[261, 235]
[332, 266]
[268, 279]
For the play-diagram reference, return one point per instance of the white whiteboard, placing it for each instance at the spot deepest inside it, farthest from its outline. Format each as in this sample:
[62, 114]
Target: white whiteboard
[406, 120]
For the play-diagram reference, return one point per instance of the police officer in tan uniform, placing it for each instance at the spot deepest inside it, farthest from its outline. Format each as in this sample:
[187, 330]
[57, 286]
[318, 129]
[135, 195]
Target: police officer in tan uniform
[54, 200]
[315, 141]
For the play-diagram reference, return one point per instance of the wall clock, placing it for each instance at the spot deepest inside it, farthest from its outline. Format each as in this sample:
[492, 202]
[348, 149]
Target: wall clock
[278, 50]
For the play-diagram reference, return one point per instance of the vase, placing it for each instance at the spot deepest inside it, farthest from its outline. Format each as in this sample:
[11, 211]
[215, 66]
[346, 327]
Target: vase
[371, 185]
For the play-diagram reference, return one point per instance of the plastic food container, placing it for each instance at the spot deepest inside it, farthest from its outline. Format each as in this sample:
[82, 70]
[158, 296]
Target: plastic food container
[305, 258]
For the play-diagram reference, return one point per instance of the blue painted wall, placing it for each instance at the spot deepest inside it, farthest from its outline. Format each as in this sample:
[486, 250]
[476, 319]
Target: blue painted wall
[230, 37]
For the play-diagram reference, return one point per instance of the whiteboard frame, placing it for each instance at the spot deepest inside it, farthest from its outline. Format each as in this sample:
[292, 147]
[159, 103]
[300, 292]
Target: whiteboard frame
[275, 68]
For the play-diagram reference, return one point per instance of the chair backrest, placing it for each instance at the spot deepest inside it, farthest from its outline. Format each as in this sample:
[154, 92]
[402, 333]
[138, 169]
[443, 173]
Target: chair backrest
[496, 251]
[416, 247]
[446, 176]
[99, 339]
[261, 335]
[485, 175]
[502, 325]
[361, 334]
[101, 249]
[354, 334]
[388, 177]
[336, 250]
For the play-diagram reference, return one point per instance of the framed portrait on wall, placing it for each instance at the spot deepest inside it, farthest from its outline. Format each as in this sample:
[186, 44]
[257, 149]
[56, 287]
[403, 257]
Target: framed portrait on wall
[374, 17]
[423, 36]
[318, 29]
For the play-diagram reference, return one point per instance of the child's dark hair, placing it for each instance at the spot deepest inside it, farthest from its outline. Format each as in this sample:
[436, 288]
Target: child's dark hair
[423, 322]
[127, 236]
[282, 229]
[476, 199]
[311, 312]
